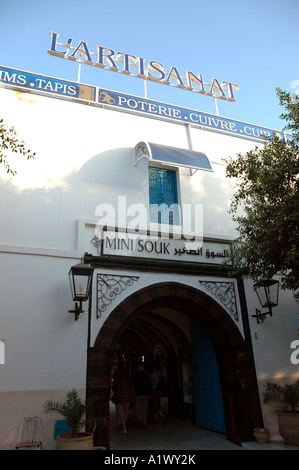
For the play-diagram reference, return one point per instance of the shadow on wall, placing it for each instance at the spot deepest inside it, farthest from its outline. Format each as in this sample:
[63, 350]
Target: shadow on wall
[45, 216]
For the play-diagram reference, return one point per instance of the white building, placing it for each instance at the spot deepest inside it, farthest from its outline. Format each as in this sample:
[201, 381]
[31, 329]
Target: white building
[153, 296]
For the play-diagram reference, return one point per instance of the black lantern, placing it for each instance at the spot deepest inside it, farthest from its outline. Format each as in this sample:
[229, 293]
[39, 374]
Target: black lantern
[80, 277]
[267, 292]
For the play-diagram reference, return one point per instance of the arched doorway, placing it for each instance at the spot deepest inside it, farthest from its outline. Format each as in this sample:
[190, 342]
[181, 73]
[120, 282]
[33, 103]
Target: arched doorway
[232, 352]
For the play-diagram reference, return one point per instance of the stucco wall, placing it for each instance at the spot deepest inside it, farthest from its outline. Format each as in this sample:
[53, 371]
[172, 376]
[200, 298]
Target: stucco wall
[85, 157]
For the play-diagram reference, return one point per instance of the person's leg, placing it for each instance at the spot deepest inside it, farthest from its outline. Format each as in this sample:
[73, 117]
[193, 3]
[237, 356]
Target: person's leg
[156, 407]
[144, 409]
[155, 403]
[138, 401]
[126, 407]
[120, 416]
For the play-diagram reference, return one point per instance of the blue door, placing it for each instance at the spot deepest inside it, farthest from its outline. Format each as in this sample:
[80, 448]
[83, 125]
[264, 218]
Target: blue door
[207, 393]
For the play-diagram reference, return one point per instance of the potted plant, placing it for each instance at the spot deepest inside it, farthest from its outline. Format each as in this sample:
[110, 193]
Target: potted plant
[73, 410]
[261, 435]
[285, 399]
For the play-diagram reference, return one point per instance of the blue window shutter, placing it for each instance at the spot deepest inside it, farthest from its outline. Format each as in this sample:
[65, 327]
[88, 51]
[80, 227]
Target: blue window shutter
[163, 190]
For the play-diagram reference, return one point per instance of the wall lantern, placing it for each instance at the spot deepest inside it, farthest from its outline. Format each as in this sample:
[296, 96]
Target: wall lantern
[80, 277]
[267, 292]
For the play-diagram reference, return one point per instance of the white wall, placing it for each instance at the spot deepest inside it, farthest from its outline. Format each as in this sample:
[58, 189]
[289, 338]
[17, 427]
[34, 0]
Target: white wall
[85, 157]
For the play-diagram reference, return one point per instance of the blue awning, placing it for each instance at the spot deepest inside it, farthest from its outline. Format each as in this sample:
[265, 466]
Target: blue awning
[172, 155]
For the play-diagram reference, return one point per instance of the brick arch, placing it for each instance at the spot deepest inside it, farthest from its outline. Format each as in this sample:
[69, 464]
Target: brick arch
[179, 296]
[235, 361]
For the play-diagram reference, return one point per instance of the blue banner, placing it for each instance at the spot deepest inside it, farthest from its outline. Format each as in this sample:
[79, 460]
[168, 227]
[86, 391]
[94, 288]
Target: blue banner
[32, 81]
[162, 110]
[47, 85]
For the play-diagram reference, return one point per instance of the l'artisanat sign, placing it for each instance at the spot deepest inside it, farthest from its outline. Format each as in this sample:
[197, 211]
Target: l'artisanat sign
[106, 58]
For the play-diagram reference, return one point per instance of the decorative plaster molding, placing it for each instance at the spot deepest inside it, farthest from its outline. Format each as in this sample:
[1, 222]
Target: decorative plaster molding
[108, 287]
[224, 293]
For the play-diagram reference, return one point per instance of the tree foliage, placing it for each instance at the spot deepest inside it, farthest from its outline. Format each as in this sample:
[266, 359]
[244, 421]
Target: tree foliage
[283, 397]
[265, 205]
[10, 142]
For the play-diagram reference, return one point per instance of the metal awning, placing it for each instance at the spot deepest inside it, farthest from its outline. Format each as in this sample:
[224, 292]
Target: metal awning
[172, 155]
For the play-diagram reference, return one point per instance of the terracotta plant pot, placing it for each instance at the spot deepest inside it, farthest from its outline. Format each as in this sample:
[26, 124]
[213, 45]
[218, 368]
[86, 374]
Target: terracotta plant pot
[84, 441]
[261, 435]
[289, 427]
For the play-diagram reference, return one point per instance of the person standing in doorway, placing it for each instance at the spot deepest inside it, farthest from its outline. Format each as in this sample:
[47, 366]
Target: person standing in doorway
[143, 390]
[123, 396]
[157, 394]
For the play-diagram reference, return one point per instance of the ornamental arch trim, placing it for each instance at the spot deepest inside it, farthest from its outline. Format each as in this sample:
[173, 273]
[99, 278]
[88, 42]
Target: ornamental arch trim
[109, 286]
[194, 303]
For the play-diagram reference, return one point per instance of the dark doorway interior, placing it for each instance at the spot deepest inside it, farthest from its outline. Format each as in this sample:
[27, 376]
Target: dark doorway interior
[155, 337]
[156, 320]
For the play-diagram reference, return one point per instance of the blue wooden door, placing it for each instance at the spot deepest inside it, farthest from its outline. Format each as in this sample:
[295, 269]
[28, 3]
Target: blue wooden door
[207, 393]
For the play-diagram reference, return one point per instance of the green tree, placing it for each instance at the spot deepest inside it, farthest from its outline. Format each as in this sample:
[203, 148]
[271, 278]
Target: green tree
[10, 142]
[265, 205]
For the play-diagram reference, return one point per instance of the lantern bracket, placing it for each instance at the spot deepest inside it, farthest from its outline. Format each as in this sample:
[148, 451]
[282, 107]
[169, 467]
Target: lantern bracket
[261, 316]
[78, 310]
[267, 293]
